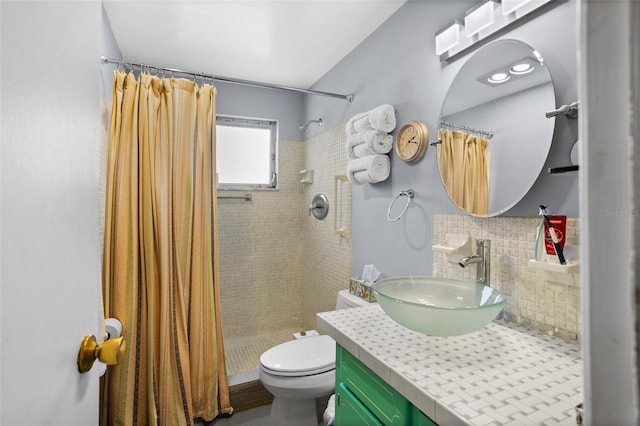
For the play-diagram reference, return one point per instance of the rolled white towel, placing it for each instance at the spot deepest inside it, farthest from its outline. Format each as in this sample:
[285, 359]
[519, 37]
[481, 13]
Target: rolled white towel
[361, 150]
[369, 169]
[383, 118]
[349, 128]
[362, 124]
[378, 141]
[354, 141]
[371, 142]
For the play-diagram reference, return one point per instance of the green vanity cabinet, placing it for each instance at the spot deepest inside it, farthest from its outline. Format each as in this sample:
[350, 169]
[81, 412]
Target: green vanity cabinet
[418, 418]
[363, 398]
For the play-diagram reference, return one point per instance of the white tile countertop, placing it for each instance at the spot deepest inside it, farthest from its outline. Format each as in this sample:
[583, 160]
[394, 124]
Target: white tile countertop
[503, 374]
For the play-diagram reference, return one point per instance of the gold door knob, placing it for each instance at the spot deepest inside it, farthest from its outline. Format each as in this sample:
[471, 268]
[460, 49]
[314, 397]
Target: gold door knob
[109, 352]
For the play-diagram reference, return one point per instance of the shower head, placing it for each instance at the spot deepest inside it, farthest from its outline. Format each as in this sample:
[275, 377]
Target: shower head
[304, 127]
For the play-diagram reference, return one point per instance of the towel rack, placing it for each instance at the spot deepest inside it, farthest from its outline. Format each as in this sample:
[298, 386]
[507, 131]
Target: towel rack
[245, 197]
[409, 194]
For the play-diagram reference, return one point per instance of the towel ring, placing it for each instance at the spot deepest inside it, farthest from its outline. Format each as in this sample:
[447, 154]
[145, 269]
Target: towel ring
[409, 194]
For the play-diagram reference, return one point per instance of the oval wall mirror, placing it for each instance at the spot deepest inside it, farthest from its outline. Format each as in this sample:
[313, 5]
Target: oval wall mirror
[493, 134]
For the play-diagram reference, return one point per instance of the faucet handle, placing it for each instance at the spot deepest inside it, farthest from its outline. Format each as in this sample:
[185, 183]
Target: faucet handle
[483, 242]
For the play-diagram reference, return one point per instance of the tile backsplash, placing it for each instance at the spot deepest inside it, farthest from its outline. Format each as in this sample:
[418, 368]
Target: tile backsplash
[535, 298]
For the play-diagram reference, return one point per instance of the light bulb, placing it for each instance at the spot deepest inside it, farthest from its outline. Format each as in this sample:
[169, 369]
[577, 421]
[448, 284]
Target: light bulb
[522, 68]
[499, 77]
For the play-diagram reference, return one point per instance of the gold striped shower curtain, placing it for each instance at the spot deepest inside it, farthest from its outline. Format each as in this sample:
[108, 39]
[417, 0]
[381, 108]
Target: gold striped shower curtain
[464, 168]
[160, 265]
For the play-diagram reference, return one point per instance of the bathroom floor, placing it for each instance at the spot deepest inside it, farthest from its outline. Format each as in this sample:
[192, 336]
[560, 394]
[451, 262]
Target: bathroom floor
[243, 354]
[257, 416]
[254, 417]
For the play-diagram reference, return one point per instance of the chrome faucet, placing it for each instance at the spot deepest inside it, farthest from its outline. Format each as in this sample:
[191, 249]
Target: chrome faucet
[483, 261]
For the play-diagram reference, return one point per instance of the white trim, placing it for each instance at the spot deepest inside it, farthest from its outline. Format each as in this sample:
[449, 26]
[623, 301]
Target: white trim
[606, 185]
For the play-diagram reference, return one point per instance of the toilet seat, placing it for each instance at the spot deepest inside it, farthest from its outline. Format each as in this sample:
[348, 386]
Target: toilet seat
[301, 357]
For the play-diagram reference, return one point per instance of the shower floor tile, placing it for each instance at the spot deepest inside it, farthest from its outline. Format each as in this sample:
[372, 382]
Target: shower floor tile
[243, 354]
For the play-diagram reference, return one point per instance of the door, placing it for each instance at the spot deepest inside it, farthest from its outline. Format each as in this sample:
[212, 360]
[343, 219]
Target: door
[50, 238]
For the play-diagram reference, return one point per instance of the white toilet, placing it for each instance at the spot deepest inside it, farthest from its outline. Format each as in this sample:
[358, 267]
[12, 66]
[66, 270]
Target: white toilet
[301, 370]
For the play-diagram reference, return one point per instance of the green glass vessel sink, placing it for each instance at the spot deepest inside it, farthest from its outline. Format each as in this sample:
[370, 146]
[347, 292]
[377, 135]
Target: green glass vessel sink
[439, 306]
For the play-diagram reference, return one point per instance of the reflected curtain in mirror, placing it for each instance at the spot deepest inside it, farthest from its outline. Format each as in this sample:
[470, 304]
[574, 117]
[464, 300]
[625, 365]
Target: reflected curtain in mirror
[509, 112]
[464, 167]
[160, 263]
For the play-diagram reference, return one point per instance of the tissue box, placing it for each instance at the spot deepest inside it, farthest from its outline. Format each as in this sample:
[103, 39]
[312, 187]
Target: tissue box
[362, 289]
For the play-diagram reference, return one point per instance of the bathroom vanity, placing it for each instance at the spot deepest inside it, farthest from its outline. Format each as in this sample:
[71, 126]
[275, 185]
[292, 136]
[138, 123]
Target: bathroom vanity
[502, 374]
[364, 398]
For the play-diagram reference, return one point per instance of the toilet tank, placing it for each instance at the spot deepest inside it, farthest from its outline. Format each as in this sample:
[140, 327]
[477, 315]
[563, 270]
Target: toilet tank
[347, 300]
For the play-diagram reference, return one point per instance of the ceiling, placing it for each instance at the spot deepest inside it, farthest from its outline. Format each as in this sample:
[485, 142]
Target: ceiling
[285, 42]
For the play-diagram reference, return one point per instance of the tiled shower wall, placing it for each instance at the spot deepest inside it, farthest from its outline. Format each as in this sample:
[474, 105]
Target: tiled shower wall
[278, 265]
[536, 299]
[327, 256]
[260, 253]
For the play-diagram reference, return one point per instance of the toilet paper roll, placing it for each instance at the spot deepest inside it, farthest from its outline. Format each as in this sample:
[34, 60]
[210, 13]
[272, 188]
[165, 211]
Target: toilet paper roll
[113, 327]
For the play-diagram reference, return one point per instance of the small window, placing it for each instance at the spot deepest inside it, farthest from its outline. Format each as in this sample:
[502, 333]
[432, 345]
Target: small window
[246, 153]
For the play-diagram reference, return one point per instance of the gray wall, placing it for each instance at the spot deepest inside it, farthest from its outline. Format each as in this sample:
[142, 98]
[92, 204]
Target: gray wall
[397, 65]
[245, 101]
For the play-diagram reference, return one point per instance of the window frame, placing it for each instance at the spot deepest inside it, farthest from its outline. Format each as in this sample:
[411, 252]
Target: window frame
[253, 123]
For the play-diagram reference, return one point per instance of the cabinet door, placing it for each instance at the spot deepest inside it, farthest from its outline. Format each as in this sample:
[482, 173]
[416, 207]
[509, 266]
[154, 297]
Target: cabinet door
[350, 411]
[377, 396]
[418, 418]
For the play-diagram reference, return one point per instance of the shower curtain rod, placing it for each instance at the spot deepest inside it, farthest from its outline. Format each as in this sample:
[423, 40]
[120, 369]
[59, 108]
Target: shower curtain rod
[106, 60]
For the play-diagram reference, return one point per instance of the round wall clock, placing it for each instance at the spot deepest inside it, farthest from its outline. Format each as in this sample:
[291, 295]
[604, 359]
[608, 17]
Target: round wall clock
[412, 141]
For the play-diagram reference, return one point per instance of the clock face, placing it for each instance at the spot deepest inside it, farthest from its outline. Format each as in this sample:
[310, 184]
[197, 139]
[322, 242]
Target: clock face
[412, 141]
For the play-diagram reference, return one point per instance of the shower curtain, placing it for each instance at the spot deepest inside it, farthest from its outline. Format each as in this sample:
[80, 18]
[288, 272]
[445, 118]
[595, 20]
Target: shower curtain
[464, 168]
[160, 267]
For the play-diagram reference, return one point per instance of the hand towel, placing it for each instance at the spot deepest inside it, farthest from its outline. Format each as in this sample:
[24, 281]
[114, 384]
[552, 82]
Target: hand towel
[354, 141]
[383, 118]
[378, 142]
[369, 169]
[362, 124]
[371, 142]
[349, 128]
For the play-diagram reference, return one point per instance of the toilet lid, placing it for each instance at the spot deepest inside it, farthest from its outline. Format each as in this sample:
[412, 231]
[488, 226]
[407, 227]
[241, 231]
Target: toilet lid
[301, 357]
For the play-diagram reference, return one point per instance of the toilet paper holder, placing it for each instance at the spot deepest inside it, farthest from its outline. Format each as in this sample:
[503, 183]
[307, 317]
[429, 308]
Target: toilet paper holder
[113, 328]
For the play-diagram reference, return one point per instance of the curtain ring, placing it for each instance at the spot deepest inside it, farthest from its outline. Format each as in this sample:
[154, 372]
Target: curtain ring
[409, 194]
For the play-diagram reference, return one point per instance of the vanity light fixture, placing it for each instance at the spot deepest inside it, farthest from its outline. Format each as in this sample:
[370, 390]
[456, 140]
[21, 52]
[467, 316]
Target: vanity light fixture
[479, 18]
[510, 6]
[488, 18]
[448, 37]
